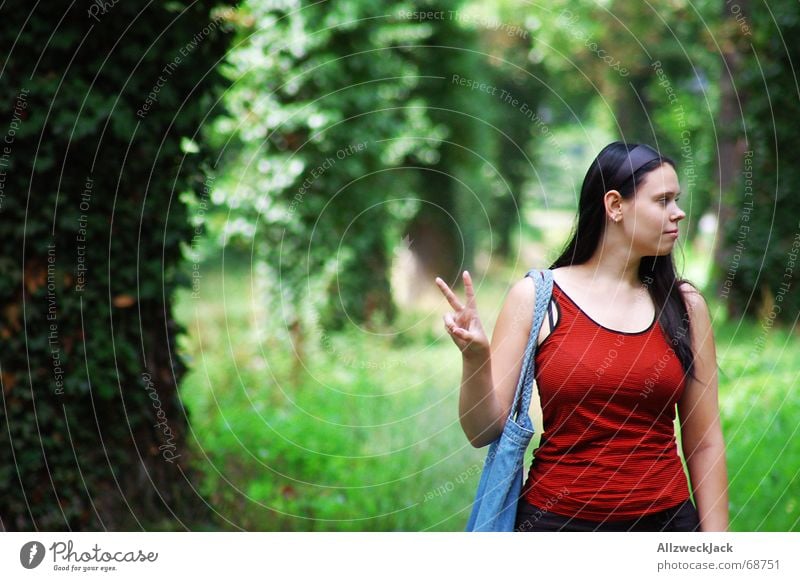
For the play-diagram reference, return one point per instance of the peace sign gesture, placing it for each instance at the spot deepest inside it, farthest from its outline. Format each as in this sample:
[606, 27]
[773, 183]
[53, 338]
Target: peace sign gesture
[464, 325]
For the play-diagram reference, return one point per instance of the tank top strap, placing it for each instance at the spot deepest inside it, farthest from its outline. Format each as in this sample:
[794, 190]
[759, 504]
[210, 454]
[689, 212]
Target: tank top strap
[567, 310]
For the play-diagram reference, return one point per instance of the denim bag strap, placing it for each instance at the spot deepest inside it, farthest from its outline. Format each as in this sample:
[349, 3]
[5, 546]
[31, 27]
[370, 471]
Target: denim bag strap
[500, 486]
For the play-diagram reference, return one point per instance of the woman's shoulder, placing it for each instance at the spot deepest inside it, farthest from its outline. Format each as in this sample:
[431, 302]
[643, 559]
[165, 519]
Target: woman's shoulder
[693, 298]
[524, 288]
[523, 292]
[690, 292]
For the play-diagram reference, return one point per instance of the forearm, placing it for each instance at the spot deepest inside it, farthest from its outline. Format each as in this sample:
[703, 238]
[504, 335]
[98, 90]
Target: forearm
[478, 407]
[709, 479]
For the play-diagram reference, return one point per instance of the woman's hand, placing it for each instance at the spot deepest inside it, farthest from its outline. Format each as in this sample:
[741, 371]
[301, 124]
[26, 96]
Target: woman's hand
[464, 325]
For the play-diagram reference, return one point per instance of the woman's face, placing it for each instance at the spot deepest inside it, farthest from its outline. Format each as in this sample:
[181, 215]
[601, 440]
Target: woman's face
[651, 215]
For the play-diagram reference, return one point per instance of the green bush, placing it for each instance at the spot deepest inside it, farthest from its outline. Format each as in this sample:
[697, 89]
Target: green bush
[101, 141]
[763, 237]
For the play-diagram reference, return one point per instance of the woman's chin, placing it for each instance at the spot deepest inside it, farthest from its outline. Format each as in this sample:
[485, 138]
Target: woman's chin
[665, 248]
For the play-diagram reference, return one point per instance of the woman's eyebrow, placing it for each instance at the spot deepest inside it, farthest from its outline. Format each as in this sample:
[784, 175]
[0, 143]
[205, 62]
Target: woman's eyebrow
[667, 193]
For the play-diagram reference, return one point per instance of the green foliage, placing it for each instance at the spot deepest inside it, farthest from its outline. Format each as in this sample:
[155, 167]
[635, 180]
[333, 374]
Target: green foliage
[324, 115]
[644, 73]
[350, 442]
[483, 88]
[349, 127]
[758, 407]
[92, 229]
[764, 233]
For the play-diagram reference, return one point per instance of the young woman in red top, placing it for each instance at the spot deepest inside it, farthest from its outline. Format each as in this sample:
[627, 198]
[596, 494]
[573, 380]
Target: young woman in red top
[625, 340]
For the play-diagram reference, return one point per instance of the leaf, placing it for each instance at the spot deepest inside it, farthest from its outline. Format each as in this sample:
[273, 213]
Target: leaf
[123, 301]
[35, 276]
[8, 380]
[189, 146]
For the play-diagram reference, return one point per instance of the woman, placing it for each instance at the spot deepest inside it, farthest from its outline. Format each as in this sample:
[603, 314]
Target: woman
[623, 343]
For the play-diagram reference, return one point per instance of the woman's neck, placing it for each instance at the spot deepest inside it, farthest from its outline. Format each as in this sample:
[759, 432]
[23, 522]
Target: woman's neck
[611, 268]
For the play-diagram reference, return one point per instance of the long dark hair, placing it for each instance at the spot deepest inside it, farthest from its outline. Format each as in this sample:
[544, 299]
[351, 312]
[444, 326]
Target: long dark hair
[657, 273]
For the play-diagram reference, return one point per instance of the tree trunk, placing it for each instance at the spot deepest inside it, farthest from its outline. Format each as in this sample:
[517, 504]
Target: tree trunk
[732, 147]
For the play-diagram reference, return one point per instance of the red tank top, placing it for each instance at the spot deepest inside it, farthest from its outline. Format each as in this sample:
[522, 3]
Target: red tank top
[608, 448]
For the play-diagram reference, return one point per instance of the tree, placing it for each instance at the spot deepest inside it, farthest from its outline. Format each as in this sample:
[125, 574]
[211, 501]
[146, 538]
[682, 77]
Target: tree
[648, 69]
[102, 141]
[760, 275]
[732, 142]
[324, 117]
[459, 185]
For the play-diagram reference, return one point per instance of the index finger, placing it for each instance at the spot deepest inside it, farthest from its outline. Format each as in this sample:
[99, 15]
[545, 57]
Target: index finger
[449, 295]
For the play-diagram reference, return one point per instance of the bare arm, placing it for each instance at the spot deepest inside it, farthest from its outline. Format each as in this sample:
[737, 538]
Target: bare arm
[490, 372]
[701, 432]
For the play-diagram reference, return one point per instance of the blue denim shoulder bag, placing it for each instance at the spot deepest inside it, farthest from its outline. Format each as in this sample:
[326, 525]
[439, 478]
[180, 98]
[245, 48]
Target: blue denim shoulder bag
[500, 486]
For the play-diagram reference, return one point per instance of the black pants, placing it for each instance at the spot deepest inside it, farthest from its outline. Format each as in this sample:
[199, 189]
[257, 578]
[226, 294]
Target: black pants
[680, 518]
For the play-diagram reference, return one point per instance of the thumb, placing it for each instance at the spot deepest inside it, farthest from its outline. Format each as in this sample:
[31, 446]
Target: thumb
[462, 334]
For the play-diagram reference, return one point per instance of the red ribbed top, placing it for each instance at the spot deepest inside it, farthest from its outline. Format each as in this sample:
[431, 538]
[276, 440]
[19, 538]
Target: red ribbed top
[608, 449]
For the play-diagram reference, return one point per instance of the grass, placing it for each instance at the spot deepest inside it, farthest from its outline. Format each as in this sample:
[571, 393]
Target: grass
[363, 435]
[360, 438]
[759, 400]
[759, 406]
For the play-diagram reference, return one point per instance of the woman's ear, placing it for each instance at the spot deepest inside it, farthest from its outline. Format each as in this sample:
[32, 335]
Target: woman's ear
[613, 203]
